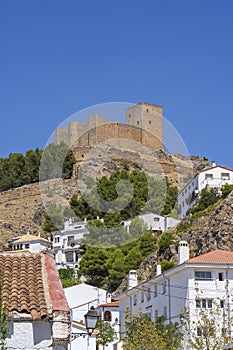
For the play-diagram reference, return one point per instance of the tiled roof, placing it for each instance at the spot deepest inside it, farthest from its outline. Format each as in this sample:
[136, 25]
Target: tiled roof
[214, 257]
[26, 288]
[30, 238]
[112, 304]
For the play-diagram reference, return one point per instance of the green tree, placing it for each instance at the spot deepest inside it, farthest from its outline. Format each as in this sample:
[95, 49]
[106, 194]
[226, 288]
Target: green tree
[57, 162]
[165, 241]
[134, 258]
[67, 169]
[170, 333]
[106, 333]
[68, 277]
[141, 333]
[117, 269]
[93, 266]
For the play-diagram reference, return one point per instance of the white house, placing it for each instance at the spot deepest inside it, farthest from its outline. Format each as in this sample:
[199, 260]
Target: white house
[81, 298]
[66, 244]
[31, 243]
[198, 283]
[38, 316]
[213, 177]
[158, 224]
[109, 312]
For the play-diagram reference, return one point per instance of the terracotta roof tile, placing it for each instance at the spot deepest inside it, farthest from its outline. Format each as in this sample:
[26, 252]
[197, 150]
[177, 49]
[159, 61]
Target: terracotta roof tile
[214, 257]
[112, 304]
[25, 284]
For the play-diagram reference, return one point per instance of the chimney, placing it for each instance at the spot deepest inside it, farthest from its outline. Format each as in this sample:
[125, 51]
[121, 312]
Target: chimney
[183, 252]
[158, 270]
[214, 163]
[108, 298]
[132, 279]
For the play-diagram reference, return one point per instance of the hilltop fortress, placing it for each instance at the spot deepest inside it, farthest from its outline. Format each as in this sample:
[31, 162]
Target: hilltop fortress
[144, 125]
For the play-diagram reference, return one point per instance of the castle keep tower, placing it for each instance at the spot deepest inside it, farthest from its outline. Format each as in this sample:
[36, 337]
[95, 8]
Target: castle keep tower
[149, 118]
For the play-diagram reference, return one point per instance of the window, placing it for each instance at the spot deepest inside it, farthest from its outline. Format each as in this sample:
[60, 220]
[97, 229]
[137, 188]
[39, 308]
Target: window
[156, 315]
[179, 209]
[137, 122]
[209, 176]
[220, 276]
[69, 257]
[56, 239]
[70, 239]
[135, 299]
[108, 316]
[222, 302]
[142, 297]
[26, 245]
[199, 332]
[155, 291]
[150, 122]
[147, 110]
[225, 176]
[156, 219]
[204, 303]
[203, 275]
[148, 294]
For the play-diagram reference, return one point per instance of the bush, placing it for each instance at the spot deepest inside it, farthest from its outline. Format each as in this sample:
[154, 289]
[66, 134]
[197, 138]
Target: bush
[226, 190]
[166, 265]
[165, 241]
[207, 198]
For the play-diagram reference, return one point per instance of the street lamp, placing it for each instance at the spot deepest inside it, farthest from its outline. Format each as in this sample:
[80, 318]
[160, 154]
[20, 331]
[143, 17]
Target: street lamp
[91, 319]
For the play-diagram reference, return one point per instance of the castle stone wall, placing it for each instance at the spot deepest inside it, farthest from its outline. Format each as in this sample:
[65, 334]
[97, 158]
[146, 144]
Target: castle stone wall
[144, 125]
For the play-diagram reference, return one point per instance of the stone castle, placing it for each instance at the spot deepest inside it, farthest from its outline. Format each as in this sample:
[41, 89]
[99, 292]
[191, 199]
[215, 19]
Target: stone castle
[144, 125]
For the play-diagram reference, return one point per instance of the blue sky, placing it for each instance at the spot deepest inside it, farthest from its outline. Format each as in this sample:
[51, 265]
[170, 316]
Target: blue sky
[58, 57]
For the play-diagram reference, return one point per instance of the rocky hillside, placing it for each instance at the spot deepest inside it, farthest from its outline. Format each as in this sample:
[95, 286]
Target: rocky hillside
[21, 209]
[206, 233]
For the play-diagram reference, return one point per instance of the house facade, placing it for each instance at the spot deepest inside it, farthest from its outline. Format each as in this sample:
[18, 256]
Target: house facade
[213, 177]
[81, 298]
[109, 312]
[66, 244]
[157, 223]
[201, 283]
[32, 243]
[38, 315]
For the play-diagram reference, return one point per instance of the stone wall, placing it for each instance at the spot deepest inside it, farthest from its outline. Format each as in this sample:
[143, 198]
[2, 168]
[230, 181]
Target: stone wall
[143, 125]
[121, 135]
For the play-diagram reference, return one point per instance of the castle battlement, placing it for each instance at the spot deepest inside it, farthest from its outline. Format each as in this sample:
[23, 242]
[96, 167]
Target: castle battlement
[144, 125]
